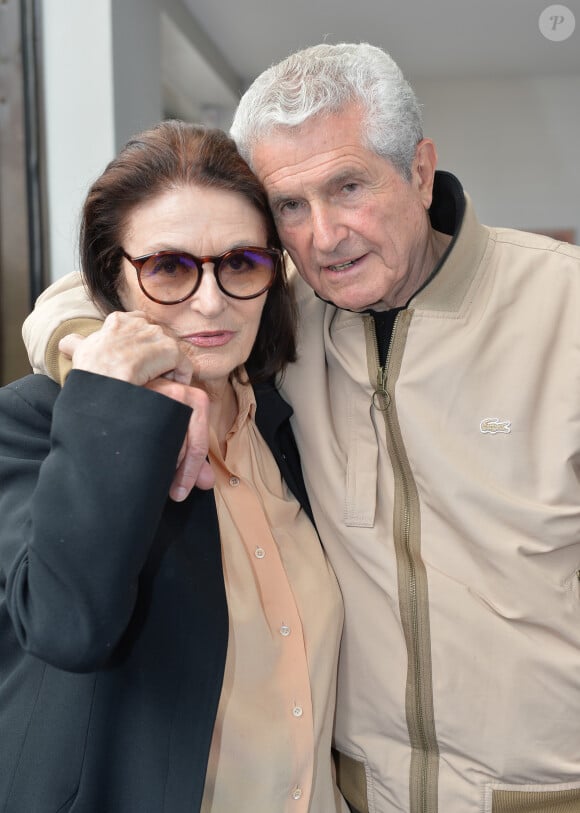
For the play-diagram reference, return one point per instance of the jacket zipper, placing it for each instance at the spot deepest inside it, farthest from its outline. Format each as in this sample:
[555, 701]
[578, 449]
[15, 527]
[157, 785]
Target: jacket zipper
[419, 702]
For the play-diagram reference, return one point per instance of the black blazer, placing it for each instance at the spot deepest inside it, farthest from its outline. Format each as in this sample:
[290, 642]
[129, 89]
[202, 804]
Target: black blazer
[113, 615]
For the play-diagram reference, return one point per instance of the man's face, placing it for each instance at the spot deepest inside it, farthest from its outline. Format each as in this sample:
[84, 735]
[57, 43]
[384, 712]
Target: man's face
[357, 231]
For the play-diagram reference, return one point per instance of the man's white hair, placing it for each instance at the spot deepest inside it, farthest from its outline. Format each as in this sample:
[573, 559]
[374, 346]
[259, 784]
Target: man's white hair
[324, 79]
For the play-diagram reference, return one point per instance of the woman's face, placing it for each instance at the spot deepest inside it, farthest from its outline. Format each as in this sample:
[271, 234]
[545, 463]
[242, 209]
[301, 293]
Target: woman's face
[218, 331]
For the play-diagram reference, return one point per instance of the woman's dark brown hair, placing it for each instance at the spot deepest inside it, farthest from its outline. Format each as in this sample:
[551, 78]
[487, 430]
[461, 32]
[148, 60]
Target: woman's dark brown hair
[171, 155]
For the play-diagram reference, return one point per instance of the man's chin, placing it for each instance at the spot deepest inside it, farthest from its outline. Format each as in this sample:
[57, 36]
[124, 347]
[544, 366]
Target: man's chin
[351, 303]
[350, 293]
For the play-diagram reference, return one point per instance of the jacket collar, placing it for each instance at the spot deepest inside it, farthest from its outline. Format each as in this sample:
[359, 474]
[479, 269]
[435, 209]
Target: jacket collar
[452, 212]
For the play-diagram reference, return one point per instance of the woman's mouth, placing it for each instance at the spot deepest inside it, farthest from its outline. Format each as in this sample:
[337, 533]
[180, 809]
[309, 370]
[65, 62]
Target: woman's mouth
[209, 338]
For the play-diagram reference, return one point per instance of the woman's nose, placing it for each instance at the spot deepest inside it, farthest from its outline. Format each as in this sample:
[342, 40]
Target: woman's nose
[209, 300]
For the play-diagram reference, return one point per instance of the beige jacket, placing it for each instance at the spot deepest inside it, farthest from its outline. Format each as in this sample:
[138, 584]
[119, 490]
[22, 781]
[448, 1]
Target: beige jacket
[450, 509]
[448, 499]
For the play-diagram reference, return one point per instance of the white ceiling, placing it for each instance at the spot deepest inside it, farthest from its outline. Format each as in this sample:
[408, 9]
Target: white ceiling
[213, 55]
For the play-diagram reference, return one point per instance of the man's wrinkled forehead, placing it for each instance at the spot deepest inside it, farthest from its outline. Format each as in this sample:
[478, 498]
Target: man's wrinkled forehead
[320, 138]
[316, 124]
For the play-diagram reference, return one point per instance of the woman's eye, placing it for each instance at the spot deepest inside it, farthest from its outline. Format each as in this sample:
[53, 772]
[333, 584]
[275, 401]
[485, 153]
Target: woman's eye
[238, 263]
[170, 266]
[166, 266]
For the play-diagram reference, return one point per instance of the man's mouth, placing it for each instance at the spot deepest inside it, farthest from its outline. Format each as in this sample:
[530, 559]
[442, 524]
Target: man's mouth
[343, 266]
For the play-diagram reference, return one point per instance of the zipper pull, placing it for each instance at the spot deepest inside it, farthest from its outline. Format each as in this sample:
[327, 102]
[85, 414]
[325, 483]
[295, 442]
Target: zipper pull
[381, 398]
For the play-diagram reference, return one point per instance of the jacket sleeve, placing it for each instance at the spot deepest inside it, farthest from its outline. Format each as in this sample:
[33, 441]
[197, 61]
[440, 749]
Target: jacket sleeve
[83, 485]
[63, 308]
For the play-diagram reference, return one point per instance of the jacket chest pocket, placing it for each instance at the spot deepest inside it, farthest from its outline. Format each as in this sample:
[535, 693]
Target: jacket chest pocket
[362, 454]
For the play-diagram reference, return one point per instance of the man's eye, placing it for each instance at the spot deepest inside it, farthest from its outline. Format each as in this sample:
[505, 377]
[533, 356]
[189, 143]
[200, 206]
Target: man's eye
[350, 187]
[289, 206]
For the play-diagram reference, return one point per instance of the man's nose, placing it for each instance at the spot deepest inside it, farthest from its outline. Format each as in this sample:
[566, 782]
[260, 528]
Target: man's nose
[328, 230]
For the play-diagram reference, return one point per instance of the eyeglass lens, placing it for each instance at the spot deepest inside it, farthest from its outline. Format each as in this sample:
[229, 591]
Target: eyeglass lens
[169, 277]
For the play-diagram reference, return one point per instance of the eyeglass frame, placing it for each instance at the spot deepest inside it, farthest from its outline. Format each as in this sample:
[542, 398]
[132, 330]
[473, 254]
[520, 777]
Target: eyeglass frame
[215, 260]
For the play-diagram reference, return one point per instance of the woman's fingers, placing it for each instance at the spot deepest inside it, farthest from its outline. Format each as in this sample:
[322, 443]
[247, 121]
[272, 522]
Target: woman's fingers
[131, 348]
[193, 468]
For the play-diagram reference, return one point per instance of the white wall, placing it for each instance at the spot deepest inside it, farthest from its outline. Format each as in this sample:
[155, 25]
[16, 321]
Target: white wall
[513, 144]
[101, 83]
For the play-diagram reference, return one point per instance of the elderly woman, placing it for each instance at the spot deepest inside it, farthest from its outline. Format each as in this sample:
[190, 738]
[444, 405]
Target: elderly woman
[158, 654]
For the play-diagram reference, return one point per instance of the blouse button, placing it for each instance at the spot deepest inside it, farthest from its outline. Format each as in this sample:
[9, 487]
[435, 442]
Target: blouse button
[259, 553]
[297, 794]
[285, 630]
[234, 481]
[297, 711]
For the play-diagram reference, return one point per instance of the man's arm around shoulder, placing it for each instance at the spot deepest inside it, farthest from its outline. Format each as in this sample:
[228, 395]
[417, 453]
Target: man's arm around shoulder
[63, 308]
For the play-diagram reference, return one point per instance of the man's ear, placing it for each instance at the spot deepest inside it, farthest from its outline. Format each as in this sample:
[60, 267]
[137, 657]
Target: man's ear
[423, 170]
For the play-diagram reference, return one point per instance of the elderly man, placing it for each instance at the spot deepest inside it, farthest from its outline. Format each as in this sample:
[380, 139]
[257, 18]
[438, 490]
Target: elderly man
[437, 411]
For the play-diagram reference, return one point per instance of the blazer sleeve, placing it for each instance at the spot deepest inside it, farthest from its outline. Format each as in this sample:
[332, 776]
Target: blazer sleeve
[84, 477]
